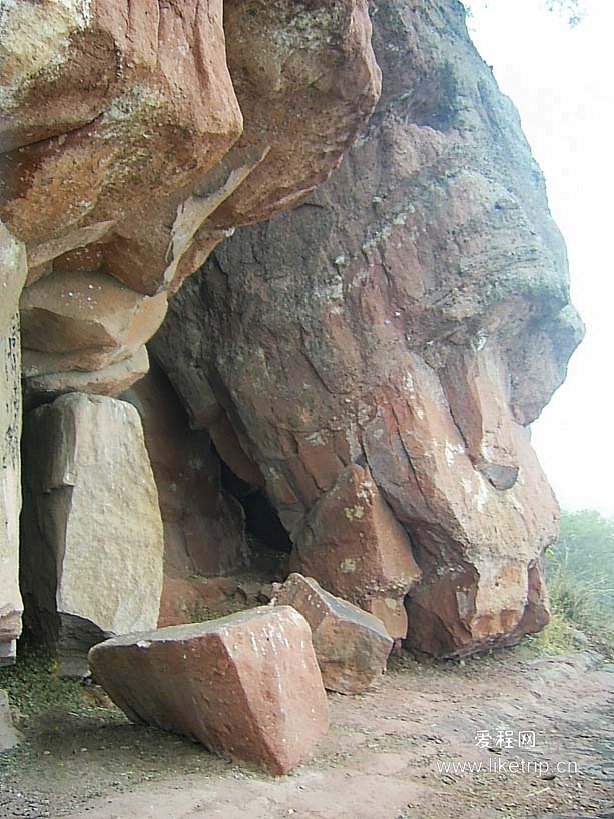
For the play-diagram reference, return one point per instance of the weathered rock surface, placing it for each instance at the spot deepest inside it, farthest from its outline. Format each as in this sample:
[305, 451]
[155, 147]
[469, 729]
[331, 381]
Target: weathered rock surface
[351, 645]
[85, 330]
[247, 686]
[9, 736]
[203, 527]
[12, 277]
[353, 544]
[111, 380]
[162, 127]
[92, 542]
[400, 328]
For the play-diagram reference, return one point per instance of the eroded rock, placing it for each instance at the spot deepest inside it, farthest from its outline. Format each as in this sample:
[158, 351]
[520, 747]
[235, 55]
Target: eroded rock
[203, 526]
[403, 324]
[128, 171]
[91, 530]
[351, 645]
[111, 380]
[247, 686]
[12, 277]
[354, 545]
[78, 322]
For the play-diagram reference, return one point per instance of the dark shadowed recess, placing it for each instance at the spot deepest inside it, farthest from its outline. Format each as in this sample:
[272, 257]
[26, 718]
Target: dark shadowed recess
[262, 522]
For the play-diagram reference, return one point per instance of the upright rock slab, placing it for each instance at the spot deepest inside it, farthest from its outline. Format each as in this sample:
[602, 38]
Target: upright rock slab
[12, 278]
[92, 533]
[247, 686]
[351, 645]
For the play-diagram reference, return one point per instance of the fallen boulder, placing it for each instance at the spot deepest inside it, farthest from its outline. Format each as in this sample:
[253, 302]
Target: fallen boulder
[247, 686]
[351, 645]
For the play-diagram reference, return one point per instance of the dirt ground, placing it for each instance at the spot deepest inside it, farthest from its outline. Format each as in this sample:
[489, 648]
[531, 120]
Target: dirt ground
[388, 754]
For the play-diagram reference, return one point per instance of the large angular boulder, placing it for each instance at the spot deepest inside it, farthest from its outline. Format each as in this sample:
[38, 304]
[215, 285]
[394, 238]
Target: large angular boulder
[247, 686]
[92, 534]
[12, 277]
[138, 102]
[351, 645]
[401, 327]
[363, 554]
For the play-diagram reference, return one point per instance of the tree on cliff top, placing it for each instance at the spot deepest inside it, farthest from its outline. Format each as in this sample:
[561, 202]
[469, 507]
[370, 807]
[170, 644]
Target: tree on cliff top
[573, 10]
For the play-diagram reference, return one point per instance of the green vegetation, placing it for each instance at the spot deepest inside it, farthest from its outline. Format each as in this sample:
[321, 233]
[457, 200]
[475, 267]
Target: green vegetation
[35, 687]
[580, 576]
[572, 10]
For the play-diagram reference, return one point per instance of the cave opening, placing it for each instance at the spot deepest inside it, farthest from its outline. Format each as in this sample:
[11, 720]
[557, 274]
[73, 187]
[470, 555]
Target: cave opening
[264, 530]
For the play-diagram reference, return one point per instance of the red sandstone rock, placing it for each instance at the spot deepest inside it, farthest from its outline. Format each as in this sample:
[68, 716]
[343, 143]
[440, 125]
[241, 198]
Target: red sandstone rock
[305, 77]
[247, 686]
[353, 544]
[403, 324]
[203, 527]
[159, 111]
[119, 171]
[351, 645]
[111, 380]
[84, 322]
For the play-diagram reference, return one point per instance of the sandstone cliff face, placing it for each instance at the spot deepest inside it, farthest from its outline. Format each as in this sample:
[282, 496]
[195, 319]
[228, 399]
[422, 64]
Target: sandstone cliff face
[380, 350]
[12, 276]
[162, 127]
[133, 138]
[370, 360]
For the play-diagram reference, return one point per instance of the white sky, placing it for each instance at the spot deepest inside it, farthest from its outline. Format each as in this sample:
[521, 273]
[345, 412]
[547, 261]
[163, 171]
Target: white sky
[561, 80]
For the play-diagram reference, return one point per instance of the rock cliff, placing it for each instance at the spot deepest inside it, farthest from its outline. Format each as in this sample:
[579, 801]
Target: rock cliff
[367, 359]
[381, 349]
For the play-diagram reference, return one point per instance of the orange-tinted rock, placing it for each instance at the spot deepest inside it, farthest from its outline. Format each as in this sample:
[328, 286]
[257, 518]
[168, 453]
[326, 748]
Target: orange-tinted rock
[190, 599]
[404, 323]
[352, 543]
[111, 380]
[117, 131]
[307, 81]
[203, 527]
[247, 686]
[351, 645]
[85, 321]
[158, 111]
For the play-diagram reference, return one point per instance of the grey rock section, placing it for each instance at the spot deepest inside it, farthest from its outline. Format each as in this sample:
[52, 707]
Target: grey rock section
[9, 735]
[92, 531]
[12, 276]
